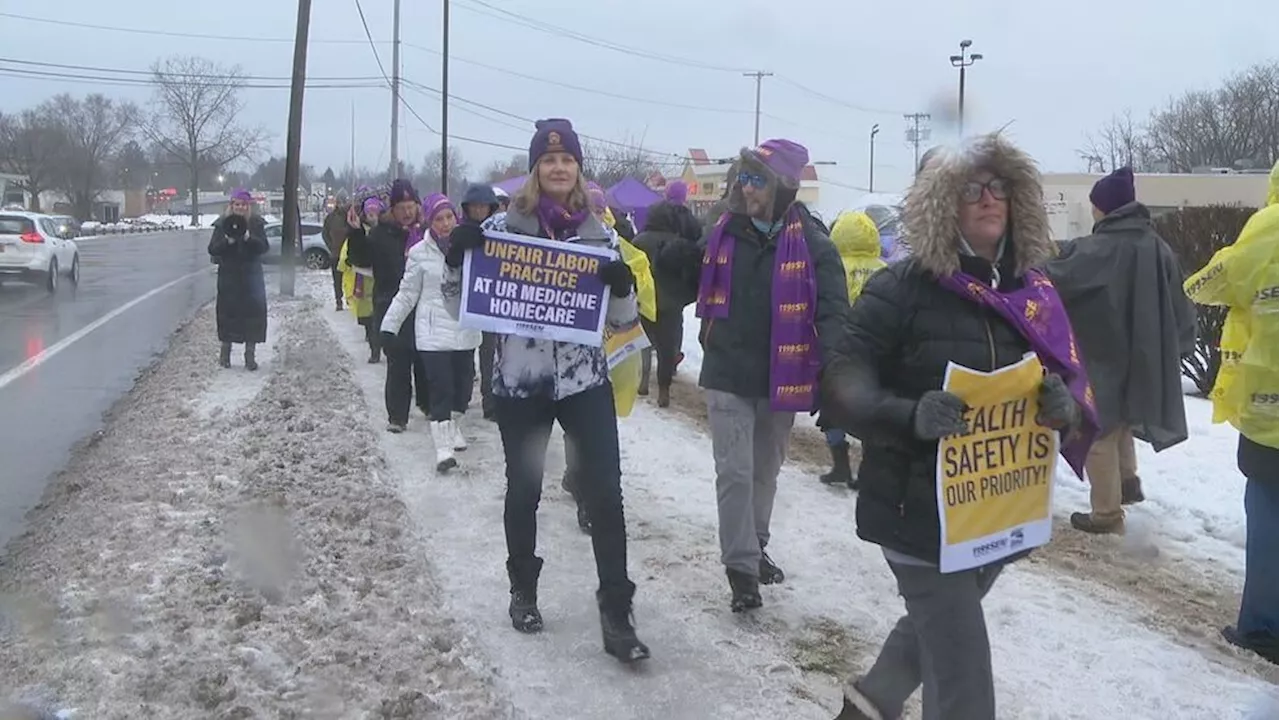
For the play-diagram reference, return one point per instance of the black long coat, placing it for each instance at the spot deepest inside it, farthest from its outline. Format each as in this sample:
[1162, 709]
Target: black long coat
[242, 289]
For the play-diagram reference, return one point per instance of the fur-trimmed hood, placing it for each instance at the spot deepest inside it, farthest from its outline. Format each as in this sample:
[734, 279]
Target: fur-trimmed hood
[780, 189]
[930, 211]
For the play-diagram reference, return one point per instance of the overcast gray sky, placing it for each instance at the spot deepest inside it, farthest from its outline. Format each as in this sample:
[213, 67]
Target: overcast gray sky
[1055, 70]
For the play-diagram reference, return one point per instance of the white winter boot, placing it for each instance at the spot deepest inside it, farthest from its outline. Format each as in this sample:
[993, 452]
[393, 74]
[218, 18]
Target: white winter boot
[459, 440]
[442, 437]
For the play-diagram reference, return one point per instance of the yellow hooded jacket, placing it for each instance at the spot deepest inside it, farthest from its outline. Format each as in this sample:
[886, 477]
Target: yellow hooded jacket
[858, 240]
[359, 295]
[1243, 278]
[625, 376]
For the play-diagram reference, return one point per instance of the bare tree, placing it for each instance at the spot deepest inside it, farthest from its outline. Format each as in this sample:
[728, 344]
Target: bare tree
[194, 117]
[607, 163]
[1118, 143]
[1234, 126]
[92, 132]
[428, 178]
[515, 166]
[31, 147]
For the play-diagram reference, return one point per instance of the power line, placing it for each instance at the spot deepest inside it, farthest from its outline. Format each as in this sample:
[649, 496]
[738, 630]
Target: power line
[150, 74]
[836, 101]
[142, 82]
[167, 33]
[372, 45]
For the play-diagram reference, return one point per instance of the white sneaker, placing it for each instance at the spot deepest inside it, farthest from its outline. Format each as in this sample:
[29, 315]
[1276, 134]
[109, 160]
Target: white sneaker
[442, 438]
[459, 440]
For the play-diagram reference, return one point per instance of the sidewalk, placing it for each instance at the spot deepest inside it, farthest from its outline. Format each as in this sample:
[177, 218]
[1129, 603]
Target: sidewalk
[1052, 635]
[230, 547]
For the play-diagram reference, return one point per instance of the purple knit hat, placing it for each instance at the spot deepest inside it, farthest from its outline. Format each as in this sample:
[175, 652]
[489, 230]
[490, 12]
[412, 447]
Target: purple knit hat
[677, 192]
[1113, 191]
[402, 191]
[554, 135]
[435, 203]
[373, 206]
[596, 197]
[786, 159]
[242, 195]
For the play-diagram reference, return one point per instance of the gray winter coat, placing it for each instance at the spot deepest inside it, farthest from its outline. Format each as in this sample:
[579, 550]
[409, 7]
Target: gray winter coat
[1122, 287]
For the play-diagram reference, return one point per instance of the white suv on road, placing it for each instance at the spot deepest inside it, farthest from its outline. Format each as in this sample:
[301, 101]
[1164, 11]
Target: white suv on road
[32, 250]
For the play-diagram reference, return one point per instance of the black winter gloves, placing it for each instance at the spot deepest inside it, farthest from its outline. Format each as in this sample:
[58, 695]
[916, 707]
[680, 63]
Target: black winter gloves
[235, 226]
[463, 238]
[939, 414]
[1058, 409]
[618, 276]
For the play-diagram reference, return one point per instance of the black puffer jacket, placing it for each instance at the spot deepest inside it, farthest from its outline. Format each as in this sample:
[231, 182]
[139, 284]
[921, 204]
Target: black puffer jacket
[381, 249]
[670, 225]
[905, 327]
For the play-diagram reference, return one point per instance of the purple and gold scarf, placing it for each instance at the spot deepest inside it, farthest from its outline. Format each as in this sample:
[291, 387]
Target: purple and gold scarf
[558, 222]
[1037, 313]
[795, 361]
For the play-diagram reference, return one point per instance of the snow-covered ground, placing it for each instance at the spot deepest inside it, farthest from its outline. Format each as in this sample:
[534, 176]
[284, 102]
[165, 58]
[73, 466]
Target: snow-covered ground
[1100, 614]
[230, 547]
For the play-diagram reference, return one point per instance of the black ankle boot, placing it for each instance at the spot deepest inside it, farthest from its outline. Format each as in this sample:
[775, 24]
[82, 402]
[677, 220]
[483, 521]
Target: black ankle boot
[224, 355]
[841, 472]
[617, 630]
[250, 362]
[646, 363]
[523, 609]
[746, 591]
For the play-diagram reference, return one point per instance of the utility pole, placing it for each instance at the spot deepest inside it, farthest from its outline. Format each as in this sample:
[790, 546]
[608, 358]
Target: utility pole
[444, 107]
[759, 75]
[917, 134]
[293, 152]
[962, 61]
[871, 166]
[395, 91]
[352, 176]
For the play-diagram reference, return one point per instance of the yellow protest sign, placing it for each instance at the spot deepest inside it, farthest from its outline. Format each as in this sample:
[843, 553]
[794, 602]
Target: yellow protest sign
[995, 483]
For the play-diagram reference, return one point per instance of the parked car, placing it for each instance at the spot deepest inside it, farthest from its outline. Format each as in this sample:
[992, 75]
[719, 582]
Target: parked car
[314, 253]
[31, 250]
[68, 227]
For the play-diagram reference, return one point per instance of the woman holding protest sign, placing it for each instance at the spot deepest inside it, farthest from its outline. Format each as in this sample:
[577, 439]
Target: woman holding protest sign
[446, 349]
[958, 360]
[383, 250]
[538, 382]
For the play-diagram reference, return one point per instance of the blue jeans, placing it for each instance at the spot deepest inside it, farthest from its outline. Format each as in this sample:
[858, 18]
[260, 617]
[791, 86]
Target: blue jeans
[834, 437]
[1261, 502]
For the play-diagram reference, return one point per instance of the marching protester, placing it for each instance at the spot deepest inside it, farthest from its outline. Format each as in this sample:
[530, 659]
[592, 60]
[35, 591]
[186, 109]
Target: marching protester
[668, 222]
[969, 295]
[447, 350]
[239, 241]
[504, 200]
[764, 258]
[357, 282]
[858, 241]
[480, 205]
[334, 232]
[1122, 287]
[539, 382]
[383, 250]
[1242, 277]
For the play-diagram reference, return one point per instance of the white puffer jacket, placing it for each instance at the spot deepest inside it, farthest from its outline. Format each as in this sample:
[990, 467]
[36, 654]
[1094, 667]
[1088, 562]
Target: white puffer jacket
[435, 328]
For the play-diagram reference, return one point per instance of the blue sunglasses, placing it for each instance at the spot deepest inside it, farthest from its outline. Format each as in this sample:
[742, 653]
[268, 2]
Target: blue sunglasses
[758, 182]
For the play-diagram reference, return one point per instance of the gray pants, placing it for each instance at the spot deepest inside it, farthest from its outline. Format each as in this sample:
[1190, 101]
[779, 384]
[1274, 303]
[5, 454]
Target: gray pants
[749, 441]
[941, 643]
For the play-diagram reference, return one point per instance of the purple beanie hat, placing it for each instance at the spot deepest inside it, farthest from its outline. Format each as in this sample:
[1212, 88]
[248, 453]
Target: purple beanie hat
[402, 191]
[1113, 191]
[373, 206]
[554, 135]
[434, 203]
[677, 192]
[242, 195]
[786, 159]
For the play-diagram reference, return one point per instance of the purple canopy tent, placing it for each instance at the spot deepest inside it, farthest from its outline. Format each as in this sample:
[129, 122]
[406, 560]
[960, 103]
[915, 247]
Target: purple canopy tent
[511, 185]
[632, 196]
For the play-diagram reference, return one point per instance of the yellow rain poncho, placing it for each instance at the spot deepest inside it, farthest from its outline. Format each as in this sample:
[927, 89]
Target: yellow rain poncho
[856, 237]
[623, 349]
[1242, 277]
[357, 288]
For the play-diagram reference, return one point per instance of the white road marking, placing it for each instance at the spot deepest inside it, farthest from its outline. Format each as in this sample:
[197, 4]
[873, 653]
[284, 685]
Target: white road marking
[48, 353]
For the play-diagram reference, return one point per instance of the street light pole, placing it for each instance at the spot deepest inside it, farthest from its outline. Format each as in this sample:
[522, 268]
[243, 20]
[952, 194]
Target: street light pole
[962, 61]
[871, 170]
[444, 107]
[293, 152]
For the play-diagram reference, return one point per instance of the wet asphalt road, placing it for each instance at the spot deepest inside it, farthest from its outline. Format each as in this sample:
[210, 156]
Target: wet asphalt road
[46, 411]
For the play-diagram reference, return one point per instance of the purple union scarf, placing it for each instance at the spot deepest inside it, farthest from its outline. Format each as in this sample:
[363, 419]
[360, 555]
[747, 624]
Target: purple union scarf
[1036, 312]
[794, 361]
[559, 223]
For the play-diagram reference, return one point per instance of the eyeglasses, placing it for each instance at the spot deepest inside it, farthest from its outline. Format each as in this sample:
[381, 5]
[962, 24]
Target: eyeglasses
[971, 191]
[756, 181]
